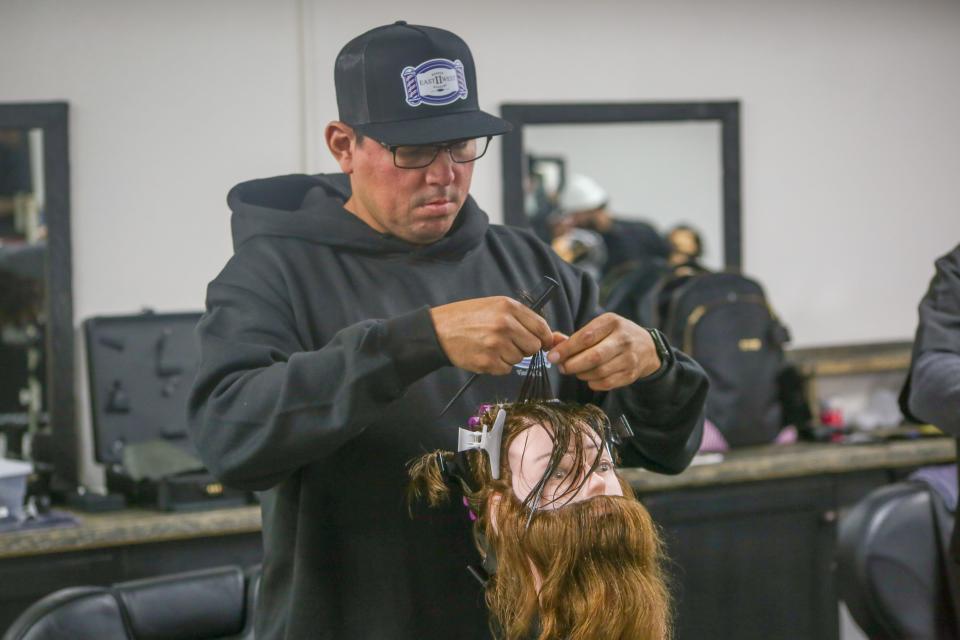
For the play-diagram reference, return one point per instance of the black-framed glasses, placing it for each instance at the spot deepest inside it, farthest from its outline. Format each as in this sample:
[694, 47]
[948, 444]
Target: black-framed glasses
[418, 156]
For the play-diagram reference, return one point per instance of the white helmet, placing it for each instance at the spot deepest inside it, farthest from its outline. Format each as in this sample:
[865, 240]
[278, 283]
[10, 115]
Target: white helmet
[582, 193]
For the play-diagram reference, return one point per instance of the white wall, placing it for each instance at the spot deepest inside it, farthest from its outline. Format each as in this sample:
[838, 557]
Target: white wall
[170, 104]
[850, 148]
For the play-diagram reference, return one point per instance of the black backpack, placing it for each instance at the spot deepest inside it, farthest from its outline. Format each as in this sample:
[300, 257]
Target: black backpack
[723, 321]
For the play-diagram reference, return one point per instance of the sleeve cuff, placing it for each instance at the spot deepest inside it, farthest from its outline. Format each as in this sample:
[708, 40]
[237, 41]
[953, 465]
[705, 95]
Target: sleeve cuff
[660, 383]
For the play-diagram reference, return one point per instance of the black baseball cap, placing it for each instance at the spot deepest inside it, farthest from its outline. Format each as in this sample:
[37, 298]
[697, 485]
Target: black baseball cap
[409, 84]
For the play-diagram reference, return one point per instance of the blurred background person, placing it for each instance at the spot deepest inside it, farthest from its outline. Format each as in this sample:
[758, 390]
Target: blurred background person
[686, 249]
[584, 204]
[583, 248]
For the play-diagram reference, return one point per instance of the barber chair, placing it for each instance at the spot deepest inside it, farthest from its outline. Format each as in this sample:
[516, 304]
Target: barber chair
[200, 605]
[892, 564]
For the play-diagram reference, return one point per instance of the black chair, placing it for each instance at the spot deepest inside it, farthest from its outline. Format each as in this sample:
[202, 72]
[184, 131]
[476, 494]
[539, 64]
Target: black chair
[891, 564]
[199, 605]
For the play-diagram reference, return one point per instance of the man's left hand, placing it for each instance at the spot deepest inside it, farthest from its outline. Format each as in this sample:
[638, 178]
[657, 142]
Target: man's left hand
[608, 352]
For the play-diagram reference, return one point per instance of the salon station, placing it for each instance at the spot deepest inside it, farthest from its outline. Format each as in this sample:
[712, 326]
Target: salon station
[764, 187]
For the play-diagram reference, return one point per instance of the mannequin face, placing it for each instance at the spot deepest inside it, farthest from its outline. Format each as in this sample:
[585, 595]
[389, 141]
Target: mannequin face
[571, 542]
[571, 481]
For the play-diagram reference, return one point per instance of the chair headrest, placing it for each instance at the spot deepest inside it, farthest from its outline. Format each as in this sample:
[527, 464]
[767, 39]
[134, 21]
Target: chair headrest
[200, 604]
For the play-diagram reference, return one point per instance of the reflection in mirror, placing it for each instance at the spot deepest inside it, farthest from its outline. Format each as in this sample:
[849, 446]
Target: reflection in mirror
[663, 174]
[23, 312]
[36, 297]
[627, 190]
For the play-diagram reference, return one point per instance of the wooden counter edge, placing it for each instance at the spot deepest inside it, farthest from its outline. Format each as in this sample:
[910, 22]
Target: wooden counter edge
[125, 528]
[841, 459]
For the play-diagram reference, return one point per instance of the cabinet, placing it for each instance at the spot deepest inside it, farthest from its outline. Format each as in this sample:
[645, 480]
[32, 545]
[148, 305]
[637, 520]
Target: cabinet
[751, 561]
[751, 541]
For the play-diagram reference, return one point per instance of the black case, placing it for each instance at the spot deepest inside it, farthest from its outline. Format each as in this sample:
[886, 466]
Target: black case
[140, 368]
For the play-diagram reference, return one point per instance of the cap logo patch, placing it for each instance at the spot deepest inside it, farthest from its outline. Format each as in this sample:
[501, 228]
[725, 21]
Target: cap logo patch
[523, 366]
[435, 82]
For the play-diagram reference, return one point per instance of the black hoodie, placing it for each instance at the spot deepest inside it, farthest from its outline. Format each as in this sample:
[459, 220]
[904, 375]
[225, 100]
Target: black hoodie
[321, 376]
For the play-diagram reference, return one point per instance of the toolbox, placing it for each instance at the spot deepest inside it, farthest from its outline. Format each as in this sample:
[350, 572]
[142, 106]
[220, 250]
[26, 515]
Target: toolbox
[140, 368]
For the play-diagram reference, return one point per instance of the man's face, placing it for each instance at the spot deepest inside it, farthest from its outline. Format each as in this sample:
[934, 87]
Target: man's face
[416, 205]
[529, 457]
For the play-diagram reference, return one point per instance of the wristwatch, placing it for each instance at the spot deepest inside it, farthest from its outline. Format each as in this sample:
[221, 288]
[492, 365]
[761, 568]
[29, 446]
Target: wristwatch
[664, 352]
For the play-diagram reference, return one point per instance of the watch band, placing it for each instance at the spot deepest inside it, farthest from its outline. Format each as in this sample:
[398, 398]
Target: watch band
[664, 352]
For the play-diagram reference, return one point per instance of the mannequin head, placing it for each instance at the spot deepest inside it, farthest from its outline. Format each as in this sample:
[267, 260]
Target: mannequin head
[575, 553]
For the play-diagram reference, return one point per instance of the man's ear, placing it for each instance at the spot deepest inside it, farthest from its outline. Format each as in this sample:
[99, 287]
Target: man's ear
[493, 506]
[341, 141]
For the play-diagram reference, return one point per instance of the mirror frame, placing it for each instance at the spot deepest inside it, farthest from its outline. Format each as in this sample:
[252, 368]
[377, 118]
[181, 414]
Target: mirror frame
[726, 113]
[56, 444]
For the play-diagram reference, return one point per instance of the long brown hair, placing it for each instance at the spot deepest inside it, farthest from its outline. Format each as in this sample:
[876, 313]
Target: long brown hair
[600, 560]
[600, 565]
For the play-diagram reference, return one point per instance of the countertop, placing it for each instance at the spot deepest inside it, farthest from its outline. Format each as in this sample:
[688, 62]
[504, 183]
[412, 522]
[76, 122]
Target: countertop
[770, 462]
[129, 526]
[141, 526]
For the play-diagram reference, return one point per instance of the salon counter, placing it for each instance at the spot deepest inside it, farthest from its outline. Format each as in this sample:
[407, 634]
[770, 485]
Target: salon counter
[772, 462]
[754, 464]
[128, 527]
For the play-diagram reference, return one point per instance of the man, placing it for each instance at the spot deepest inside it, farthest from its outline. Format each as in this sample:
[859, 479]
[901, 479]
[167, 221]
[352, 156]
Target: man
[327, 346]
[572, 553]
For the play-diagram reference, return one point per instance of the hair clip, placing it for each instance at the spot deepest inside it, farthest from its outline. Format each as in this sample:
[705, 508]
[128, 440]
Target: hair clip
[474, 421]
[455, 469]
[488, 441]
[619, 431]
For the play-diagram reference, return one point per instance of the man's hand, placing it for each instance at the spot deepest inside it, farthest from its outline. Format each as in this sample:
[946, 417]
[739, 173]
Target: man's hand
[608, 352]
[489, 335]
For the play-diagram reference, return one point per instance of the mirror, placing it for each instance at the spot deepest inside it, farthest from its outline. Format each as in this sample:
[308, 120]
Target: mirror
[664, 164]
[36, 311]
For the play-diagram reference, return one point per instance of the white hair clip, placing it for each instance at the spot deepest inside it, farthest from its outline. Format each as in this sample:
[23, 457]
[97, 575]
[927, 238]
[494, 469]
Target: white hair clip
[488, 441]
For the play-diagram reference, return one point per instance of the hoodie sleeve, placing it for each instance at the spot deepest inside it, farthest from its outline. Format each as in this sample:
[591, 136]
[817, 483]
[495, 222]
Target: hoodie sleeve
[934, 379]
[261, 406]
[665, 411]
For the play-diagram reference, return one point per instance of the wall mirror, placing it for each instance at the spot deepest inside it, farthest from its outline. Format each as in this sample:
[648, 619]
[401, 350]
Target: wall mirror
[36, 302]
[663, 163]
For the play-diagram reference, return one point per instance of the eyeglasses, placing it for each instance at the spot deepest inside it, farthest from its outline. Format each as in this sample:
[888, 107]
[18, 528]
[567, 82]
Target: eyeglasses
[418, 156]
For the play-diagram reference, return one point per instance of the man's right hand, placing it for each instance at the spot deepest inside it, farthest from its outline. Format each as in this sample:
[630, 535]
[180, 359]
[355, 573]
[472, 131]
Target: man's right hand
[489, 335]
